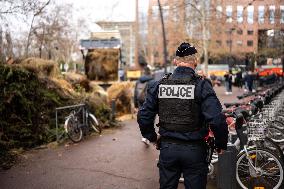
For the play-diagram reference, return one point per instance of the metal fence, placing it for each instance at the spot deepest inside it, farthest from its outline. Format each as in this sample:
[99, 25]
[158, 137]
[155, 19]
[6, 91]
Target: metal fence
[60, 109]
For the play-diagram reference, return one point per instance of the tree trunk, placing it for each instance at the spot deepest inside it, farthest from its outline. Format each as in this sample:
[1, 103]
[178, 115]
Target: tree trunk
[1, 46]
[9, 45]
[29, 38]
[41, 42]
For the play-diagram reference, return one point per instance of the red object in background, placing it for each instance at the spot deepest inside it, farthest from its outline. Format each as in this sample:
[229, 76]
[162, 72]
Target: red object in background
[231, 123]
[269, 71]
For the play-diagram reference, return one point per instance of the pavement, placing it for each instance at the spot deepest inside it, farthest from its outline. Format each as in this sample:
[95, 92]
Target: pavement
[115, 160]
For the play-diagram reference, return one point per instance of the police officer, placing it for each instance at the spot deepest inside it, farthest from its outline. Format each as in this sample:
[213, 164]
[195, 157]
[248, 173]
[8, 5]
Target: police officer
[186, 105]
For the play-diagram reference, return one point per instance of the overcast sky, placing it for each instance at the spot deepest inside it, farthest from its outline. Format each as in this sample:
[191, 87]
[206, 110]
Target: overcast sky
[92, 11]
[115, 10]
[105, 10]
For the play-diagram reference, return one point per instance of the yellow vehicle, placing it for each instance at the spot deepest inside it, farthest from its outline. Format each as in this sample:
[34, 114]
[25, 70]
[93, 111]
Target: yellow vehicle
[218, 70]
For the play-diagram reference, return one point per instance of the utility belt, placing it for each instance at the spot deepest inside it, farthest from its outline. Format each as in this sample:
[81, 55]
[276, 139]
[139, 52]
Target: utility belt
[184, 142]
[178, 127]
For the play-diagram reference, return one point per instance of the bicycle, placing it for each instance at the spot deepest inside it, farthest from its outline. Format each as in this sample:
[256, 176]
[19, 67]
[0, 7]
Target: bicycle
[75, 123]
[257, 165]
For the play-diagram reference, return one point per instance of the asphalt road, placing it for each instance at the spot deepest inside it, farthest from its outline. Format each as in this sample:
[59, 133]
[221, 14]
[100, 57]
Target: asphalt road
[115, 160]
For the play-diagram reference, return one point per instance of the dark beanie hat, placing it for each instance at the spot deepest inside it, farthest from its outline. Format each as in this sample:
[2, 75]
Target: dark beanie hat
[185, 49]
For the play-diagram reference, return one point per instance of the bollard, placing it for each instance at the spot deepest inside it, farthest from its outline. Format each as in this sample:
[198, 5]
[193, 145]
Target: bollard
[113, 109]
[226, 176]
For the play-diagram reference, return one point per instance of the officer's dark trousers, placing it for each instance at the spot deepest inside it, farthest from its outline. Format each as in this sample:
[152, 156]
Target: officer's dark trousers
[189, 159]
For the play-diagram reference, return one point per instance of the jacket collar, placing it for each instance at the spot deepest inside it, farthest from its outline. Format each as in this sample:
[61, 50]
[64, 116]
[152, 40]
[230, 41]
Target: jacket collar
[181, 70]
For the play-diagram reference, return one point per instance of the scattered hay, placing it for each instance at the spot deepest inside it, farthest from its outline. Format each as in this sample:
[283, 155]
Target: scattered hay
[79, 82]
[102, 65]
[122, 93]
[74, 78]
[41, 67]
[98, 90]
[62, 87]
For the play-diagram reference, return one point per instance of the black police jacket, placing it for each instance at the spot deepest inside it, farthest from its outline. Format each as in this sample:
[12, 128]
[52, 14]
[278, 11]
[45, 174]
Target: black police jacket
[211, 110]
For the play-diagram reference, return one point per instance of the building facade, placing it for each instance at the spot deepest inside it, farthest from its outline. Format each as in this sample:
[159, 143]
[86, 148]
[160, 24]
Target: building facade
[230, 26]
[173, 15]
[240, 26]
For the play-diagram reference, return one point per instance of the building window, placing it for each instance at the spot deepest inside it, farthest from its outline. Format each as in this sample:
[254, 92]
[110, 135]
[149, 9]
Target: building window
[250, 43]
[250, 32]
[229, 13]
[250, 14]
[261, 14]
[228, 32]
[156, 54]
[229, 43]
[240, 43]
[175, 14]
[271, 14]
[219, 43]
[219, 30]
[219, 12]
[166, 12]
[155, 12]
[240, 32]
[282, 14]
[239, 14]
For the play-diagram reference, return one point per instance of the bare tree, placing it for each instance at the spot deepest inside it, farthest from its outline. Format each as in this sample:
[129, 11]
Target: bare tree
[11, 10]
[197, 19]
[9, 45]
[1, 45]
[37, 11]
[18, 7]
[54, 34]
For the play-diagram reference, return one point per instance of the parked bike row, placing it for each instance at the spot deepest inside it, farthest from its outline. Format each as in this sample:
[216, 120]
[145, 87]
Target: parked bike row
[256, 129]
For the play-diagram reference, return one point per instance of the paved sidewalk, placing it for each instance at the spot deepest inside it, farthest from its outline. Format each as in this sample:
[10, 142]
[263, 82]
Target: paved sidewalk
[116, 160]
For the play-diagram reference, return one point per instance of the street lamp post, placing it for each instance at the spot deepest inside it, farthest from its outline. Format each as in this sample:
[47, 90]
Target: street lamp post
[164, 37]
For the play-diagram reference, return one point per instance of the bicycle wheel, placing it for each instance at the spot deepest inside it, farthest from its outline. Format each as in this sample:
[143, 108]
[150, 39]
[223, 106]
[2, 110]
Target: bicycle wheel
[278, 124]
[269, 144]
[93, 122]
[266, 170]
[277, 135]
[274, 147]
[73, 130]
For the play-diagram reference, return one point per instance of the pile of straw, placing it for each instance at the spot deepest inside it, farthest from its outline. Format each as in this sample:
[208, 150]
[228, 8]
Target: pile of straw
[41, 67]
[122, 93]
[102, 65]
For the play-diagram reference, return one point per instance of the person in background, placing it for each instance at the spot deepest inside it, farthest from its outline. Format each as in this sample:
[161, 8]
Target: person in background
[141, 87]
[249, 78]
[140, 91]
[239, 79]
[214, 80]
[228, 83]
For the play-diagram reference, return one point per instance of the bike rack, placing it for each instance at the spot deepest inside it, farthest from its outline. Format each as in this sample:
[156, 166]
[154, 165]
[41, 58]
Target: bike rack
[64, 108]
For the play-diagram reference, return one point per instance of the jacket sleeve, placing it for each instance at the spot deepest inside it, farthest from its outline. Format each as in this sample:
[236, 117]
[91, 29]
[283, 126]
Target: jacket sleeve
[212, 111]
[147, 113]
